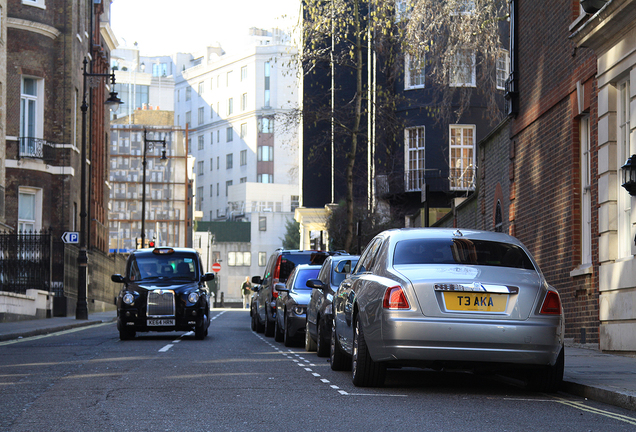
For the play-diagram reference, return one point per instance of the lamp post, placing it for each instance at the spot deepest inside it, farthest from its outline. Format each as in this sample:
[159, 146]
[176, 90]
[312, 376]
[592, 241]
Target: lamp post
[81, 309]
[143, 187]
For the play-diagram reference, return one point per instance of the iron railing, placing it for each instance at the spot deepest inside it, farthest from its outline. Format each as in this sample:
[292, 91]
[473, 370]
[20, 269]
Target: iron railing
[35, 148]
[25, 261]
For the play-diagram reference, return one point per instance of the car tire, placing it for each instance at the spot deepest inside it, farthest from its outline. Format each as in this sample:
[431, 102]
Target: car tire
[288, 341]
[200, 332]
[253, 321]
[310, 345]
[269, 326]
[278, 334]
[548, 379]
[322, 346]
[127, 334]
[338, 359]
[364, 371]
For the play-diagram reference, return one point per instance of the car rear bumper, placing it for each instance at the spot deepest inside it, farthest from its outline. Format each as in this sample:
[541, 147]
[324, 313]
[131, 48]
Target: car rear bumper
[535, 342]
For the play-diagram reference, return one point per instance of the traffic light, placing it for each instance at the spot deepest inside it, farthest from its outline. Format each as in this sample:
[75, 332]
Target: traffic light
[151, 244]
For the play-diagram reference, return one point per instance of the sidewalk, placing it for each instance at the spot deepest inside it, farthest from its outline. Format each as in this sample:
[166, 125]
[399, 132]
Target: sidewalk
[589, 373]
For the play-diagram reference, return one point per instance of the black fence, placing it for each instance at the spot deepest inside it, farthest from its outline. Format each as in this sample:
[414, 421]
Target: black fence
[25, 261]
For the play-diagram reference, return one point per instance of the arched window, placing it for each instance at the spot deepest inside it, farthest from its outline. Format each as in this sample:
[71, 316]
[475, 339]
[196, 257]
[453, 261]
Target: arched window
[498, 218]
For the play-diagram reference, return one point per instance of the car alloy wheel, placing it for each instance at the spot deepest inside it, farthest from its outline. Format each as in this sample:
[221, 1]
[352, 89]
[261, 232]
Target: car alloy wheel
[364, 371]
[310, 345]
[338, 359]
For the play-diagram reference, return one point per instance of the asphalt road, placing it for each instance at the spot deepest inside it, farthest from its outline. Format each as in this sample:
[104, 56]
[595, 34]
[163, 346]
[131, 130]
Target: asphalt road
[236, 380]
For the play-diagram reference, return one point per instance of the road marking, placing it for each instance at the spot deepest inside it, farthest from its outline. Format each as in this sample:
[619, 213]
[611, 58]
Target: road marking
[166, 348]
[32, 338]
[581, 406]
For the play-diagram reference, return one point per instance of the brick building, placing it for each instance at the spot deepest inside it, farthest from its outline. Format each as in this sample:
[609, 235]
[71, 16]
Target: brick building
[3, 110]
[47, 42]
[537, 170]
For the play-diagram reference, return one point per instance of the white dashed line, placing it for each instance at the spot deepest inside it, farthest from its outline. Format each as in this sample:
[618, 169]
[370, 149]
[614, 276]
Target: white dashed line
[166, 348]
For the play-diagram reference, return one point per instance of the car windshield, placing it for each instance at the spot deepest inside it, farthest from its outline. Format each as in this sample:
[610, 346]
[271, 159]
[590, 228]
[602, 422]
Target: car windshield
[300, 283]
[341, 269]
[163, 267]
[461, 251]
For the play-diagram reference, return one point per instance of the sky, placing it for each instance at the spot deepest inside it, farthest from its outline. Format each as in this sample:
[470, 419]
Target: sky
[164, 27]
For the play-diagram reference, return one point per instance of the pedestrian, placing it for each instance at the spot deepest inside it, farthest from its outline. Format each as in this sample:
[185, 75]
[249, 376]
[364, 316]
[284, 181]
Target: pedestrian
[246, 289]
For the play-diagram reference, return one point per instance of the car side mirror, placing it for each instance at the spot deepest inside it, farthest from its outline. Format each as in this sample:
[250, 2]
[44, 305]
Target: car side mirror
[208, 277]
[316, 283]
[257, 280]
[117, 278]
[281, 287]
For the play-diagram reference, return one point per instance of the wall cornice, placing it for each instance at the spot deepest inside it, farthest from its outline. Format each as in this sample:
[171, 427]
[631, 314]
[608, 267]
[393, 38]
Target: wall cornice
[34, 27]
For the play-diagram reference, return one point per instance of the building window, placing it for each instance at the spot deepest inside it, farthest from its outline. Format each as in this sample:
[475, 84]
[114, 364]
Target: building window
[243, 157]
[201, 88]
[243, 73]
[262, 259]
[228, 79]
[265, 154]
[295, 202]
[217, 162]
[262, 223]
[218, 136]
[239, 259]
[201, 113]
[243, 130]
[188, 93]
[586, 192]
[266, 84]
[160, 69]
[230, 106]
[199, 197]
[211, 138]
[200, 168]
[36, 3]
[29, 209]
[462, 159]
[31, 115]
[243, 180]
[229, 134]
[265, 178]
[211, 164]
[464, 7]
[503, 63]
[227, 186]
[229, 162]
[244, 102]
[624, 202]
[200, 142]
[211, 191]
[188, 119]
[413, 72]
[217, 193]
[463, 69]
[266, 125]
[498, 218]
[414, 157]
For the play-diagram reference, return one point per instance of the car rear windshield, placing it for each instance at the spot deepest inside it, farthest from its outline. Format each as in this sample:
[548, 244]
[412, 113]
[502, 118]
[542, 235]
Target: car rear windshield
[289, 261]
[172, 266]
[461, 251]
[304, 276]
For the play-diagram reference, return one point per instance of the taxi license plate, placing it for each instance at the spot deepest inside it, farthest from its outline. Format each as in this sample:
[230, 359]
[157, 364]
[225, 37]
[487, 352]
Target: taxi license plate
[160, 322]
[475, 302]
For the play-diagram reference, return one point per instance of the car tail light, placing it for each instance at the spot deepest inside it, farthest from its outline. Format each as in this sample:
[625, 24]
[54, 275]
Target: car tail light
[276, 274]
[274, 292]
[551, 304]
[394, 298]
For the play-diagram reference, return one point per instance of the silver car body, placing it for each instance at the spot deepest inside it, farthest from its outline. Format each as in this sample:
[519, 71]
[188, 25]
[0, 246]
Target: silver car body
[429, 332]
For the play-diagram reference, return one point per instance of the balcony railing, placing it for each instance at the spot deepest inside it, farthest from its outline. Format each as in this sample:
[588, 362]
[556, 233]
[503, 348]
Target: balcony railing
[34, 148]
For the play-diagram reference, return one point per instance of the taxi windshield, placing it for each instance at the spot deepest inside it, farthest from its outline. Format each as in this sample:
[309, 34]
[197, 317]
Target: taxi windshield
[159, 267]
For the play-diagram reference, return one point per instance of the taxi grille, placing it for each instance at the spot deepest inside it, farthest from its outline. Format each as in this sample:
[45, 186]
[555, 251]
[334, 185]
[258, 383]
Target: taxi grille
[160, 303]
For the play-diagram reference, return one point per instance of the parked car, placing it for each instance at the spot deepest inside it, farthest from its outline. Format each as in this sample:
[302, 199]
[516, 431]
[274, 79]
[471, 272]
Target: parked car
[280, 265]
[291, 305]
[164, 290]
[319, 309]
[448, 298]
[254, 324]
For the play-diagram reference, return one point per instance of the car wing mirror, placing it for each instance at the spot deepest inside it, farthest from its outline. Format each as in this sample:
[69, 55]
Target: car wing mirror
[280, 287]
[208, 277]
[315, 283]
[257, 280]
[118, 278]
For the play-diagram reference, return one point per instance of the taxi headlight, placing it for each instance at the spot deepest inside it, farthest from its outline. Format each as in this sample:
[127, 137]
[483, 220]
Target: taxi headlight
[193, 297]
[128, 298]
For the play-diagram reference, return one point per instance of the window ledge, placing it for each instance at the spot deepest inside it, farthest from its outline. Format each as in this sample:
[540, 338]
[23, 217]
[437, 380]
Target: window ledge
[581, 270]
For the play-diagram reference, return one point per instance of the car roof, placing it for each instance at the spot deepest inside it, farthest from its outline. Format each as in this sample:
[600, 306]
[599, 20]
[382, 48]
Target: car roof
[146, 252]
[442, 233]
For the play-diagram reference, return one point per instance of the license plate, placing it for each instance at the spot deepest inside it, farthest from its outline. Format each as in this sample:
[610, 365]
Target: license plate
[160, 322]
[475, 302]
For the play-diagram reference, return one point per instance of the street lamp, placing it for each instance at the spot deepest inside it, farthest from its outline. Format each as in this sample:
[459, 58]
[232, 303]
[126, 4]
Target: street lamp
[629, 175]
[81, 309]
[164, 158]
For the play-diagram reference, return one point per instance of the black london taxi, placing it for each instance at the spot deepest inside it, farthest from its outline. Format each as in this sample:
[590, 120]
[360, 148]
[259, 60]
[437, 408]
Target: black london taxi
[164, 290]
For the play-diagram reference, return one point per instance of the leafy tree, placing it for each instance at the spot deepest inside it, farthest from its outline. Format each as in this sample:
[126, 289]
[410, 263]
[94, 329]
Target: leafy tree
[292, 235]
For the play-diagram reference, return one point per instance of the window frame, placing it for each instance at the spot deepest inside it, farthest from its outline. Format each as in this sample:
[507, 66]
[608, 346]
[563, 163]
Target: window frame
[461, 146]
[419, 152]
[457, 78]
[408, 72]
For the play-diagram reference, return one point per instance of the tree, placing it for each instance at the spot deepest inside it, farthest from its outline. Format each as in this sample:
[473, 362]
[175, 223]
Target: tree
[338, 37]
[292, 235]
